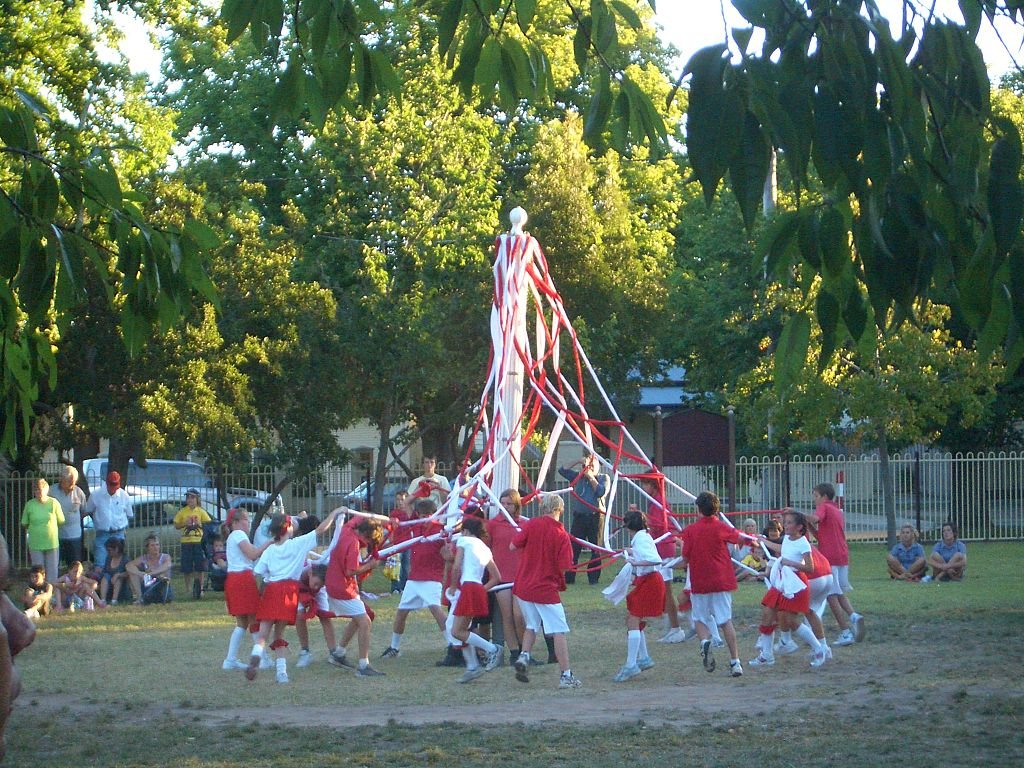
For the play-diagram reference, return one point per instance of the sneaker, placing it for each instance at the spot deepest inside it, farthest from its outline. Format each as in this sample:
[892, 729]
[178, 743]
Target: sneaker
[305, 659]
[339, 661]
[569, 680]
[858, 628]
[453, 658]
[674, 635]
[845, 638]
[522, 668]
[266, 662]
[926, 579]
[717, 642]
[368, 671]
[391, 653]
[113, 602]
[762, 661]
[471, 674]
[626, 673]
[493, 660]
[197, 592]
[735, 669]
[818, 659]
[282, 676]
[786, 647]
[645, 663]
[537, 662]
[707, 656]
[234, 664]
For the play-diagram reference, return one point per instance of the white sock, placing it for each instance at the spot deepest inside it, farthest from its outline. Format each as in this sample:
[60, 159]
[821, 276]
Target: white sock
[854, 617]
[282, 665]
[642, 653]
[472, 662]
[364, 663]
[805, 633]
[478, 642]
[632, 646]
[257, 650]
[237, 635]
[339, 651]
[786, 637]
[396, 640]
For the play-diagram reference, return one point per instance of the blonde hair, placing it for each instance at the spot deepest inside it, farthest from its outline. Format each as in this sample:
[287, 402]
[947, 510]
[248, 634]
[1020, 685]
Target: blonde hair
[551, 503]
[912, 529]
[42, 484]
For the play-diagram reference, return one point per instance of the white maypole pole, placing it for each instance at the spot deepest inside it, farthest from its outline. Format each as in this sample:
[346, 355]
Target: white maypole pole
[508, 335]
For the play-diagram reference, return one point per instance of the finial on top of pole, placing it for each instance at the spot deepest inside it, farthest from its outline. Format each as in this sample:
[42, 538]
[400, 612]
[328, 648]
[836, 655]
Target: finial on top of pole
[518, 218]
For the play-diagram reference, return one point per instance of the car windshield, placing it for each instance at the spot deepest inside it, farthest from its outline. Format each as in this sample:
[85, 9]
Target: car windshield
[184, 475]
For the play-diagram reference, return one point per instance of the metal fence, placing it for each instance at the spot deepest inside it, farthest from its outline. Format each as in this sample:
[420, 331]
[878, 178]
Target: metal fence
[983, 493]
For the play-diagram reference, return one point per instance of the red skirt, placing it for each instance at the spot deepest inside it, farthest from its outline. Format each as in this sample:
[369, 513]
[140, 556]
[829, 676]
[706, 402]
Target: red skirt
[240, 593]
[647, 598]
[472, 600]
[800, 602]
[279, 601]
[684, 601]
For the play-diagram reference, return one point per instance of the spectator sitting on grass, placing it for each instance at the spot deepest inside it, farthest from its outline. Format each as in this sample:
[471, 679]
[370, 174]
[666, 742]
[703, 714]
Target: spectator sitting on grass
[906, 560]
[113, 576]
[948, 559]
[77, 590]
[150, 573]
[38, 596]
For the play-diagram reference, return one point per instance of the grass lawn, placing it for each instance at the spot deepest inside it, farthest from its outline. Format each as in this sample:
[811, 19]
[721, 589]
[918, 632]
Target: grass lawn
[937, 679]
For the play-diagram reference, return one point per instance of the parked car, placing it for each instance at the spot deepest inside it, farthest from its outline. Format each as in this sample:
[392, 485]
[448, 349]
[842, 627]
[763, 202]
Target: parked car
[358, 498]
[162, 483]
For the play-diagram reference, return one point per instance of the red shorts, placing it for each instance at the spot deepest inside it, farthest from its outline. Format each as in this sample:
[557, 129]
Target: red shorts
[647, 598]
[279, 601]
[472, 600]
[240, 593]
[800, 602]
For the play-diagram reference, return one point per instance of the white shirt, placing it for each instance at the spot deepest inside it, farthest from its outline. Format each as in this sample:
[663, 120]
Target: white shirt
[435, 494]
[280, 562]
[644, 550]
[109, 513]
[476, 556]
[237, 560]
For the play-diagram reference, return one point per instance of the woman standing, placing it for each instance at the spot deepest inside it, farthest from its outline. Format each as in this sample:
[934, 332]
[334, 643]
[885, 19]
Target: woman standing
[43, 516]
[72, 500]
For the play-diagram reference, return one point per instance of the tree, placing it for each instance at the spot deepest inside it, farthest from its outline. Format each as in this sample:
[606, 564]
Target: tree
[71, 128]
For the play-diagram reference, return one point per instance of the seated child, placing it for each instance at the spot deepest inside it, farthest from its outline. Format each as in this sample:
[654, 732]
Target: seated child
[77, 590]
[37, 599]
[218, 562]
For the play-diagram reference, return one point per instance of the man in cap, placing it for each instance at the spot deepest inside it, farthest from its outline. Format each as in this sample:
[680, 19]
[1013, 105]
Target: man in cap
[190, 521]
[111, 509]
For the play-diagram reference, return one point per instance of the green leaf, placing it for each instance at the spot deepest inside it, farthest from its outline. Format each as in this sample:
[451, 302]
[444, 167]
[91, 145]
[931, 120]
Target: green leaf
[447, 24]
[1016, 284]
[595, 116]
[855, 314]
[994, 331]
[714, 121]
[581, 44]
[833, 242]
[808, 241]
[604, 35]
[971, 10]
[16, 129]
[741, 36]
[791, 351]
[1005, 194]
[237, 14]
[289, 93]
[628, 14]
[525, 11]
[488, 70]
[827, 310]
[101, 183]
[777, 244]
[749, 169]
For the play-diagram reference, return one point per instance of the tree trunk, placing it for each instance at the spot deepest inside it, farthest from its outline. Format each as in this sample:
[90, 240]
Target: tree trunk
[888, 492]
[380, 470]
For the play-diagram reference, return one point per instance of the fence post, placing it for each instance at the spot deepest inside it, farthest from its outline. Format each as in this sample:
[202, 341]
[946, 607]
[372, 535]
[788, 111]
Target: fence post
[918, 490]
[732, 458]
[320, 501]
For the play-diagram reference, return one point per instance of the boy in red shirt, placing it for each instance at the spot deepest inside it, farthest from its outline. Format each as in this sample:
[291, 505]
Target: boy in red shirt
[546, 556]
[712, 578]
[342, 584]
[829, 525]
[426, 571]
